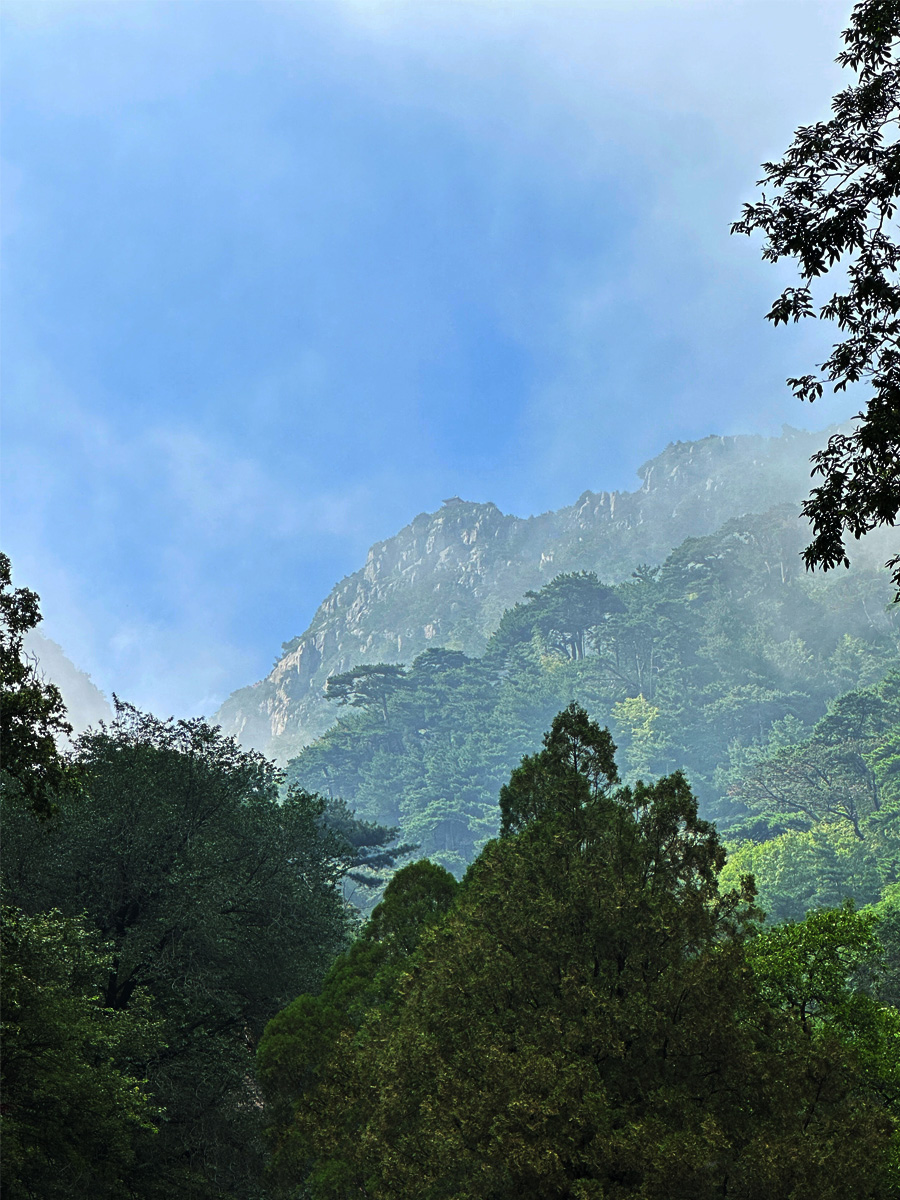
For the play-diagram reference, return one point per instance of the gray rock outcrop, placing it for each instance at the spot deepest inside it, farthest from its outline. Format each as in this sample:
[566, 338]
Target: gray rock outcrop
[446, 578]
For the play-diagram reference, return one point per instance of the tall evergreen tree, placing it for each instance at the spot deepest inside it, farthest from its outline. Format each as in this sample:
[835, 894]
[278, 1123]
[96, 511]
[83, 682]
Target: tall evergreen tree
[587, 1022]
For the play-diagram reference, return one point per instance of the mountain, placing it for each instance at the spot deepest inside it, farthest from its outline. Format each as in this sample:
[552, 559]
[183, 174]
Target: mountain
[85, 703]
[447, 577]
[725, 652]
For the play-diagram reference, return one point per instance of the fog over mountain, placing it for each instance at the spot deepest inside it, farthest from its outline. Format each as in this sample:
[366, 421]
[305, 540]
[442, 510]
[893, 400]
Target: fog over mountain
[446, 578]
[85, 703]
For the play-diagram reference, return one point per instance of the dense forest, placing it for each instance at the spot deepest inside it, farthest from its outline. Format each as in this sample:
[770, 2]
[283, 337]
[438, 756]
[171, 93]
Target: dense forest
[163, 897]
[607, 911]
[591, 1001]
[591, 1014]
[770, 688]
[446, 578]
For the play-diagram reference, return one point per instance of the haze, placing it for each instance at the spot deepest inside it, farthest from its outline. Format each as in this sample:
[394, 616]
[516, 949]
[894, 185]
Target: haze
[280, 276]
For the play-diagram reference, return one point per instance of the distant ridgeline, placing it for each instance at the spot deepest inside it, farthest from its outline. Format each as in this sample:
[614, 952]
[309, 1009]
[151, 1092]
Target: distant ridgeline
[425, 677]
[447, 578]
[770, 687]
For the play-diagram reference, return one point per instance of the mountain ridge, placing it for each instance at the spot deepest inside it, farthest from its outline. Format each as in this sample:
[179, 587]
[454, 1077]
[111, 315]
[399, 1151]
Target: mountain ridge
[447, 576]
[85, 704]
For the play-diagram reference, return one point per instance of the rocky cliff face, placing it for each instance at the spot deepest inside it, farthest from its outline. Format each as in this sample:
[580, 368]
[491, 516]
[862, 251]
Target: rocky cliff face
[447, 577]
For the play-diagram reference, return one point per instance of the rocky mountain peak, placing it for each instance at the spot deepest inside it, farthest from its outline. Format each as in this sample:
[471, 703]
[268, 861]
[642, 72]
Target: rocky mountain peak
[446, 578]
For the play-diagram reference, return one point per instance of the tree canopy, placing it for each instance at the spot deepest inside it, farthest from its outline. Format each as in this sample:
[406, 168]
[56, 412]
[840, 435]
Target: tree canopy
[690, 664]
[569, 608]
[365, 686]
[823, 810]
[219, 900]
[576, 765]
[297, 1052]
[593, 1017]
[32, 713]
[76, 1110]
[831, 202]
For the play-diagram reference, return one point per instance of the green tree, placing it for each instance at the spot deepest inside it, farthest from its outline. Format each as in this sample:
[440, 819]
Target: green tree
[832, 203]
[651, 635]
[824, 810]
[296, 1051]
[727, 637]
[585, 1022]
[832, 973]
[569, 608]
[32, 713]
[372, 847]
[577, 765]
[806, 869]
[639, 717]
[813, 782]
[220, 899]
[366, 687]
[75, 1110]
[887, 910]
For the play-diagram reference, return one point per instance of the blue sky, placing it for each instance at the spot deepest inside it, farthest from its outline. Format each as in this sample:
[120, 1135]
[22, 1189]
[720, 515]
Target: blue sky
[279, 276]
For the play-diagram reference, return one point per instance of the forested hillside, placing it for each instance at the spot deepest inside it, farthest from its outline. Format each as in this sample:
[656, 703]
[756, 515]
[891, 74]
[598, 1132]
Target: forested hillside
[162, 899]
[446, 579]
[725, 654]
[582, 879]
[191, 1008]
[593, 1012]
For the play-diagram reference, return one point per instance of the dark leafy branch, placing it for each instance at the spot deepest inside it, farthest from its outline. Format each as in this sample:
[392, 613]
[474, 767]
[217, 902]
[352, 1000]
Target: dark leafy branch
[832, 201]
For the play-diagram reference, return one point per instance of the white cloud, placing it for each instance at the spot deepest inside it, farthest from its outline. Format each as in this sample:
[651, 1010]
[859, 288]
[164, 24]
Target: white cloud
[656, 99]
[194, 499]
[228, 495]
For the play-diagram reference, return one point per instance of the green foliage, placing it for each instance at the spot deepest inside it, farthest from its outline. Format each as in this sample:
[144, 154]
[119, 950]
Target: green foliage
[569, 609]
[887, 910]
[75, 1111]
[593, 1012]
[814, 968]
[417, 896]
[576, 766]
[829, 973]
[594, 1017]
[365, 687]
[812, 783]
[806, 869]
[370, 848]
[690, 664]
[831, 799]
[32, 714]
[220, 900]
[831, 202]
[639, 717]
[295, 1056]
